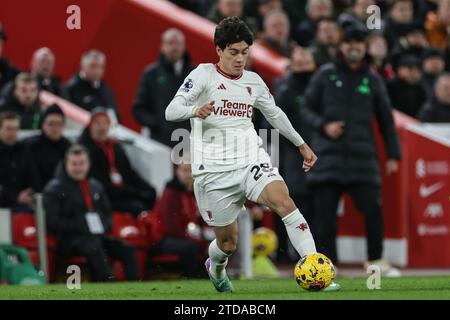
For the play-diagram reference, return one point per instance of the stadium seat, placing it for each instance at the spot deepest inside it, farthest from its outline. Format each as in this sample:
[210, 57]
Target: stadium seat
[127, 228]
[153, 232]
[24, 235]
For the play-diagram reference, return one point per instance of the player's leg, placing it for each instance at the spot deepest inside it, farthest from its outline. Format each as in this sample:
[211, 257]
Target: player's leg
[220, 200]
[221, 248]
[275, 195]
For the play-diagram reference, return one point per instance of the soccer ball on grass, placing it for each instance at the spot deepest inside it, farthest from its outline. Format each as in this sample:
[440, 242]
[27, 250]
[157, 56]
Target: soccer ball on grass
[314, 272]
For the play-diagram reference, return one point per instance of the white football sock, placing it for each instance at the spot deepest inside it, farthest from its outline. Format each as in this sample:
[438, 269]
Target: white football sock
[219, 260]
[299, 233]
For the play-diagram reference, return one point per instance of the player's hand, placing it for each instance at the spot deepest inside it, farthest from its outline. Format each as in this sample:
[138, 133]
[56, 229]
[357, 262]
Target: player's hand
[205, 110]
[391, 166]
[309, 157]
[334, 129]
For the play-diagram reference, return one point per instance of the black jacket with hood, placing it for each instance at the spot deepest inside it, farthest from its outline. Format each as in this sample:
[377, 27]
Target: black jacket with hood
[337, 93]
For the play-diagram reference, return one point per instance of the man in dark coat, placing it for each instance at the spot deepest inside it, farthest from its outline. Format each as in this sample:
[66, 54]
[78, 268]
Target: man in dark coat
[289, 97]
[405, 90]
[340, 103]
[79, 214]
[7, 71]
[47, 149]
[110, 165]
[18, 178]
[23, 100]
[438, 108]
[42, 66]
[433, 65]
[159, 83]
[87, 89]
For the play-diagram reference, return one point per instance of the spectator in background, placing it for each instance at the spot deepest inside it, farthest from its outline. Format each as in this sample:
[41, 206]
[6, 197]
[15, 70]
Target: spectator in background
[180, 223]
[110, 165]
[433, 65]
[289, 98]
[438, 25]
[87, 89]
[340, 103]
[230, 8]
[159, 83]
[306, 31]
[42, 66]
[275, 36]
[259, 9]
[438, 108]
[79, 215]
[398, 22]
[413, 43]
[378, 51]
[326, 41]
[23, 99]
[356, 15]
[48, 148]
[7, 71]
[405, 90]
[17, 171]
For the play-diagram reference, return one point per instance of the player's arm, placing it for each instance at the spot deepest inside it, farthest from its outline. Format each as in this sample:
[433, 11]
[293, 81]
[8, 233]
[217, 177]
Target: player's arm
[183, 107]
[278, 119]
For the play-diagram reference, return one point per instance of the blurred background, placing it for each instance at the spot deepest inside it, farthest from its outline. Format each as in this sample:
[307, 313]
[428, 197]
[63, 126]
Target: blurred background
[100, 74]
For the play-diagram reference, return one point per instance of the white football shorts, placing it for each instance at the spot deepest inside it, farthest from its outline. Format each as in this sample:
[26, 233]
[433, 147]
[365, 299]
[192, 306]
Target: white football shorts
[221, 195]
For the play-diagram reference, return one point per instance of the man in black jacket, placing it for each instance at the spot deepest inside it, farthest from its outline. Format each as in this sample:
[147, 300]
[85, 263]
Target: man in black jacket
[87, 88]
[405, 90]
[23, 100]
[18, 179]
[438, 108]
[340, 102]
[110, 165]
[42, 66]
[47, 149]
[159, 83]
[79, 214]
[7, 71]
[289, 97]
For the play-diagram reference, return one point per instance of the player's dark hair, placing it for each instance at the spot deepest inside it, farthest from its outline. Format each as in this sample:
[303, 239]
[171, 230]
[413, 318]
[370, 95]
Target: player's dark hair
[232, 30]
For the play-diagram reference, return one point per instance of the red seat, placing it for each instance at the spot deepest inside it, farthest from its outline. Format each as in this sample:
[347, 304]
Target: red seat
[154, 232]
[127, 228]
[25, 235]
[24, 231]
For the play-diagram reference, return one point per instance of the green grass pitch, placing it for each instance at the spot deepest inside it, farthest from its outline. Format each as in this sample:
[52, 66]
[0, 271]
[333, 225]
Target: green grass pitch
[411, 287]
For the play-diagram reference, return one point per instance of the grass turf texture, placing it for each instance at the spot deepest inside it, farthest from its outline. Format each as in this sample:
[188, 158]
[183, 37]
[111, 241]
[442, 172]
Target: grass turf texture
[414, 287]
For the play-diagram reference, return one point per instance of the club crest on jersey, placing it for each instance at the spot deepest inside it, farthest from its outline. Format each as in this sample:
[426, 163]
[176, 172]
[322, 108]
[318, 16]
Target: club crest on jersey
[209, 213]
[187, 85]
[249, 90]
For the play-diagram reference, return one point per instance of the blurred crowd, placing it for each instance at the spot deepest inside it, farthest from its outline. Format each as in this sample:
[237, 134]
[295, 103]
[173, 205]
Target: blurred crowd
[331, 51]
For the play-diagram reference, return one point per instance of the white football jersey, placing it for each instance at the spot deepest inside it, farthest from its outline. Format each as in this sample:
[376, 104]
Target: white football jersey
[227, 140]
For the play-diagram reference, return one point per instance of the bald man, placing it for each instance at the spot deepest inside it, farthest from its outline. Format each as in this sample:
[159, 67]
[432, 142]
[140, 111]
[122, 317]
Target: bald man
[42, 66]
[87, 88]
[159, 83]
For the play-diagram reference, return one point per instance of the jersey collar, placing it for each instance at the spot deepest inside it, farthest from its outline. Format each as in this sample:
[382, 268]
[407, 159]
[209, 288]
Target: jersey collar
[227, 75]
